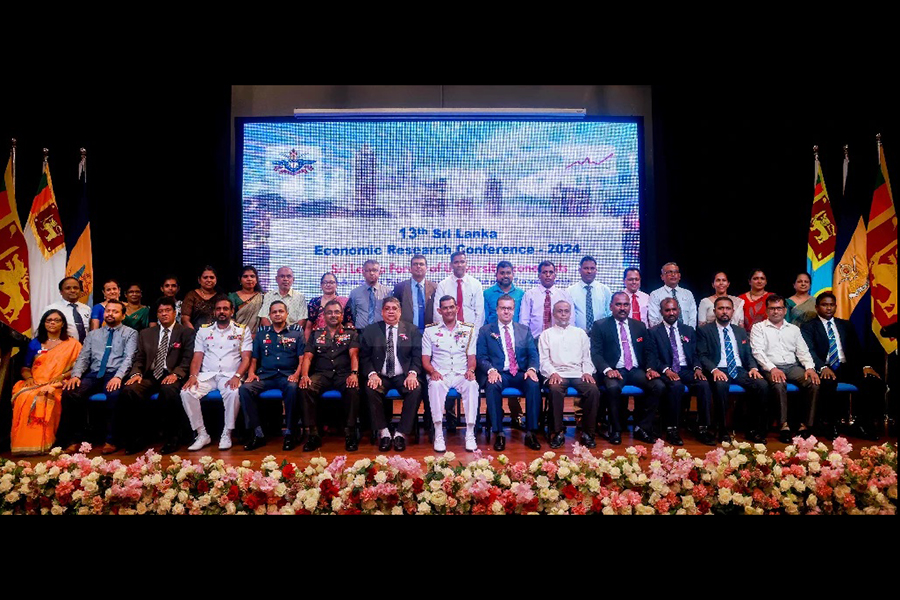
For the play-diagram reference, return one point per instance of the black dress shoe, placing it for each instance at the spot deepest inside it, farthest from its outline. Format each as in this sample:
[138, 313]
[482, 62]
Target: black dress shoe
[531, 441]
[500, 442]
[706, 437]
[805, 433]
[615, 438]
[133, 449]
[644, 436]
[724, 436]
[313, 442]
[673, 438]
[254, 443]
[518, 423]
[558, 439]
[289, 443]
[757, 437]
[384, 444]
[351, 442]
[784, 436]
[399, 443]
[170, 447]
[587, 440]
[866, 432]
[829, 432]
[451, 423]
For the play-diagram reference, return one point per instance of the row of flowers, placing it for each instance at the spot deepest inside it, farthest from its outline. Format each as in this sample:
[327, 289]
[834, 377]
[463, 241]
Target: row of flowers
[805, 478]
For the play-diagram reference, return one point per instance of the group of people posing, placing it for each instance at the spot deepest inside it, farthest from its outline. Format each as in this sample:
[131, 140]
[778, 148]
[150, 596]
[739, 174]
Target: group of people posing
[421, 339]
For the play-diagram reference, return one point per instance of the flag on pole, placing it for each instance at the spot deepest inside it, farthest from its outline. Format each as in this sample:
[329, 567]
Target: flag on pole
[15, 309]
[46, 246]
[822, 237]
[78, 243]
[881, 242]
[851, 276]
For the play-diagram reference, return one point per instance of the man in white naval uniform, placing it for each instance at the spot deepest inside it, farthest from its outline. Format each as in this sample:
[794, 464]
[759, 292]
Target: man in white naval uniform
[221, 358]
[448, 356]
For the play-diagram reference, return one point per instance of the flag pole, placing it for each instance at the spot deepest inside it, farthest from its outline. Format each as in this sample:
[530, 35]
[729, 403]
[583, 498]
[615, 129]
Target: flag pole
[12, 155]
[82, 165]
[46, 152]
[846, 167]
[816, 166]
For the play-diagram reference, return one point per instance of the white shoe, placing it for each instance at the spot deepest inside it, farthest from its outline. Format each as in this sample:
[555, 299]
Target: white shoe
[471, 445]
[201, 441]
[225, 440]
[439, 445]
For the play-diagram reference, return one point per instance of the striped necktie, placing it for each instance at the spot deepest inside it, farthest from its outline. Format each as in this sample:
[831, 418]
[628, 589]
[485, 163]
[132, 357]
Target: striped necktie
[834, 361]
[729, 354]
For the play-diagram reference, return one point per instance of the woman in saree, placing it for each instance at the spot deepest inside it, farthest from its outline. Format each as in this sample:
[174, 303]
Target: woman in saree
[36, 399]
[137, 316]
[316, 318]
[198, 305]
[755, 300]
[801, 307]
[248, 300]
[706, 314]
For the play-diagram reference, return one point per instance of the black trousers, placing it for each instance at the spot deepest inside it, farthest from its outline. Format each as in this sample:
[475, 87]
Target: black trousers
[132, 410]
[755, 404]
[645, 406]
[675, 394]
[73, 419]
[322, 382]
[590, 401]
[378, 403]
[868, 403]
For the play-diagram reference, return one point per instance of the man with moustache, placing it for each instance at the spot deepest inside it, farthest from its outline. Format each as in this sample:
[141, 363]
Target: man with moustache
[537, 312]
[504, 285]
[105, 359]
[390, 358]
[726, 358]
[465, 289]
[620, 350]
[161, 365]
[295, 301]
[671, 276]
[589, 297]
[640, 301]
[416, 294]
[78, 314]
[221, 359]
[365, 300]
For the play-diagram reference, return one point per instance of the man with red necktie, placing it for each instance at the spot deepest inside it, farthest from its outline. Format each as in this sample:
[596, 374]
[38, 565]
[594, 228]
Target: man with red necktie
[637, 300]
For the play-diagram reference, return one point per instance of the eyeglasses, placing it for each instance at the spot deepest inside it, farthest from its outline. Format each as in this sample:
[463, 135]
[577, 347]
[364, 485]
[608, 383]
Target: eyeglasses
[54, 320]
[775, 308]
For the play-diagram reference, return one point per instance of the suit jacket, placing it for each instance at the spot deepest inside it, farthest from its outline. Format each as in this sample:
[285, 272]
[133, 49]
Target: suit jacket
[709, 350]
[489, 349]
[178, 357]
[373, 348]
[403, 292]
[605, 351]
[661, 347]
[817, 339]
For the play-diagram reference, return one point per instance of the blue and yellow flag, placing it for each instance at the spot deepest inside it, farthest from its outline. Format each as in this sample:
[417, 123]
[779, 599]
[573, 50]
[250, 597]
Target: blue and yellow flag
[81, 263]
[822, 238]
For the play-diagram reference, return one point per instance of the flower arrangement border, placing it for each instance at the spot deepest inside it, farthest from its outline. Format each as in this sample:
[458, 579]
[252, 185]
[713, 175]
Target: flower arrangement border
[804, 478]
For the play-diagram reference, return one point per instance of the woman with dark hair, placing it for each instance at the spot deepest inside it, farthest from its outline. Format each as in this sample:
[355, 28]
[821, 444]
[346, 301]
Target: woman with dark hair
[706, 313]
[755, 300]
[801, 307]
[248, 300]
[137, 316]
[36, 398]
[316, 319]
[199, 304]
[169, 289]
[111, 291]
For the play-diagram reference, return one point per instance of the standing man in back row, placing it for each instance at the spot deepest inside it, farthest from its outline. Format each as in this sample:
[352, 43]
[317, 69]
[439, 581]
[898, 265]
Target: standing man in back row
[590, 298]
[366, 299]
[671, 276]
[465, 289]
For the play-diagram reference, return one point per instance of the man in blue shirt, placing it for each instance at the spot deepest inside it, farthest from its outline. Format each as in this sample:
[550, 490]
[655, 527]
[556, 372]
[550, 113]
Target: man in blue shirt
[105, 358]
[504, 285]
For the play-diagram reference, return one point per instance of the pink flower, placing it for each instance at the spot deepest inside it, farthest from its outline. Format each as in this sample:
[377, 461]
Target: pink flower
[550, 469]
[337, 465]
[523, 492]
[842, 446]
[85, 448]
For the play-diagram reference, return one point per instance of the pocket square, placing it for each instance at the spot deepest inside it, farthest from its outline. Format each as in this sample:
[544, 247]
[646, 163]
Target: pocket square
[176, 344]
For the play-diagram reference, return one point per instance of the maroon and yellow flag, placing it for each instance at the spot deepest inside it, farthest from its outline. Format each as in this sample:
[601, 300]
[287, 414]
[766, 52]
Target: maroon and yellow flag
[822, 238]
[15, 309]
[881, 242]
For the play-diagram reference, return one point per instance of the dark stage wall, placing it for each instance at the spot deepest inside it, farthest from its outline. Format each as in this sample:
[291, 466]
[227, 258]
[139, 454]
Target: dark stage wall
[729, 166]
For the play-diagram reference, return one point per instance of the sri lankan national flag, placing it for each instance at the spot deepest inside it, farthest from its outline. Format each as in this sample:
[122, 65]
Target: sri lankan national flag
[822, 238]
[46, 247]
[881, 242]
[78, 242]
[15, 309]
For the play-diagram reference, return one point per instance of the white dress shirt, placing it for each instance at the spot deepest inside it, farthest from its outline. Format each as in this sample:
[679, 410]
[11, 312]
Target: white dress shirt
[221, 349]
[532, 312]
[600, 297]
[773, 346]
[473, 299]
[512, 340]
[723, 360]
[682, 361]
[397, 370]
[83, 309]
[837, 338]
[643, 299]
[449, 349]
[565, 350]
[685, 301]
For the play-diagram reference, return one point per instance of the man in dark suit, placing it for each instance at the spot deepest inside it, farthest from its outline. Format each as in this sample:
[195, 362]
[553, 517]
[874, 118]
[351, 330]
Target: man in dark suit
[724, 353]
[416, 294]
[838, 356]
[620, 350]
[508, 357]
[672, 354]
[390, 357]
[162, 364]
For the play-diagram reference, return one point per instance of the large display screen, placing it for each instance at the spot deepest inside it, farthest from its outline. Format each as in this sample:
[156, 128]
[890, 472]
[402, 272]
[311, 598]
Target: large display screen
[322, 196]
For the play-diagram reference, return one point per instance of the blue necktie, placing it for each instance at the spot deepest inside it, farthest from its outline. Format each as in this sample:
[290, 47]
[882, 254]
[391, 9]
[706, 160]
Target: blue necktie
[106, 352]
[588, 308]
[680, 315]
[834, 360]
[421, 312]
[371, 306]
[729, 355]
[79, 322]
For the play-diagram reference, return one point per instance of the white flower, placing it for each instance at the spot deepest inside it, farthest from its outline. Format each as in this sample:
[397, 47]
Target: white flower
[435, 485]
[554, 495]
[813, 457]
[608, 510]
[77, 495]
[762, 459]
[65, 476]
[40, 469]
[380, 477]
[230, 508]
[170, 494]
[448, 473]
[84, 510]
[563, 472]
[181, 475]
[164, 505]
[42, 479]
[502, 459]
[812, 501]
[5, 486]
[407, 483]
[311, 502]
[119, 475]
[544, 494]
[182, 496]
[815, 467]
[309, 471]
[724, 495]
[12, 497]
[608, 452]
[54, 472]
[90, 487]
[156, 458]
[397, 510]
[593, 484]
[505, 480]
[707, 477]
[280, 490]
[615, 473]
[835, 458]
[439, 498]
[360, 481]
[655, 464]
[726, 445]
[381, 459]
[631, 450]
[785, 484]
[336, 504]
[428, 460]
[57, 510]
[449, 457]
[424, 509]
[542, 482]
[97, 461]
[497, 507]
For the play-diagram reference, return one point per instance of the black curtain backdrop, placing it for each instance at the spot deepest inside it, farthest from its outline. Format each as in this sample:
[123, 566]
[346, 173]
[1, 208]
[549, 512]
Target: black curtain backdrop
[730, 186]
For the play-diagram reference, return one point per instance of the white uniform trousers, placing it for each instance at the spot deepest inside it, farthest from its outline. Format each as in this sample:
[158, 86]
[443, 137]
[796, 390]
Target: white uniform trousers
[190, 398]
[438, 390]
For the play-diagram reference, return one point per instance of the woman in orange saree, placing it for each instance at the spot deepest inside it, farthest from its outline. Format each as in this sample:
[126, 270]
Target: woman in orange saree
[36, 399]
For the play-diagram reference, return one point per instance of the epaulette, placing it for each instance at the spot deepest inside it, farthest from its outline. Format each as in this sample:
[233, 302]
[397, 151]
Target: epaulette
[432, 324]
[265, 328]
[295, 327]
[241, 325]
[472, 325]
[206, 325]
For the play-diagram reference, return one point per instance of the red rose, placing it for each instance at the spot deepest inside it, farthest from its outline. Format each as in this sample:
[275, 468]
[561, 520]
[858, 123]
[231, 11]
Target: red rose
[694, 476]
[46, 502]
[531, 505]
[288, 471]
[606, 479]
[234, 493]
[251, 502]
[202, 486]
[303, 511]
[703, 507]
[418, 485]
[597, 505]
[569, 491]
